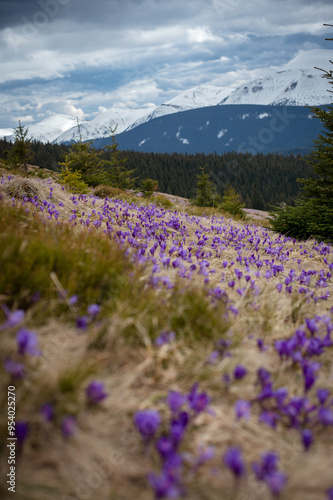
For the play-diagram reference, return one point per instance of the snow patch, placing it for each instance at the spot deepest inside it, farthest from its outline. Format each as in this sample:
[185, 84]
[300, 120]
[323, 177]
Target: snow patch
[222, 132]
[144, 140]
[263, 115]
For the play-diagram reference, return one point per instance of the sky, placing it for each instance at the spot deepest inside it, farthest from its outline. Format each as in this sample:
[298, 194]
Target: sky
[81, 57]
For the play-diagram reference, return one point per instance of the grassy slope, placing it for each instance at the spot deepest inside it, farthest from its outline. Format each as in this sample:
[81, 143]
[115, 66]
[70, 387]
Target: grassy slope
[104, 459]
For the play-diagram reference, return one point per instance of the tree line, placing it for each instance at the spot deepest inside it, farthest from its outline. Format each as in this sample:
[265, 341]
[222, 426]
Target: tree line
[263, 181]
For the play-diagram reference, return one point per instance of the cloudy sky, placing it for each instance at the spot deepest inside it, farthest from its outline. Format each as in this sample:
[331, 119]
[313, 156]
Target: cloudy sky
[80, 57]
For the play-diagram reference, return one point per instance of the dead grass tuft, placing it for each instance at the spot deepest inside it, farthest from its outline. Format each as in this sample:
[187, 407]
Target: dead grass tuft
[21, 188]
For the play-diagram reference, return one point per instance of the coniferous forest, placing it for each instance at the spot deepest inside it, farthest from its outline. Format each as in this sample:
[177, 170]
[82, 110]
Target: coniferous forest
[263, 181]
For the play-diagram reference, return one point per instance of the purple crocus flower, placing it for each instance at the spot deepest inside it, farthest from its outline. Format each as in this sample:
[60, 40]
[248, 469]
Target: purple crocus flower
[178, 427]
[68, 426]
[198, 401]
[164, 486]
[16, 370]
[322, 395]
[276, 482]
[165, 338]
[93, 310]
[233, 459]
[47, 412]
[175, 400]
[21, 431]
[309, 374]
[95, 392]
[242, 409]
[165, 446]
[269, 418]
[325, 416]
[312, 326]
[82, 322]
[73, 299]
[13, 318]
[173, 465]
[261, 345]
[27, 342]
[239, 372]
[307, 438]
[147, 422]
[267, 466]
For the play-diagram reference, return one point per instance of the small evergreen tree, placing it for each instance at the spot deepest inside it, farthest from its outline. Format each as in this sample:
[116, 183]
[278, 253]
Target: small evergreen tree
[148, 187]
[231, 202]
[72, 179]
[312, 215]
[86, 160]
[116, 173]
[21, 153]
[206, 192]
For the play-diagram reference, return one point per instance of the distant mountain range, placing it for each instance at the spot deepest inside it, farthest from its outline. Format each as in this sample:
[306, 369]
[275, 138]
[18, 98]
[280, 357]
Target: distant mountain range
[218, 111]
[221, 129]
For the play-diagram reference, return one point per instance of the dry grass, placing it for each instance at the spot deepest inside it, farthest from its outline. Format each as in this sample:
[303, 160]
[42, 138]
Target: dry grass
[105, 459]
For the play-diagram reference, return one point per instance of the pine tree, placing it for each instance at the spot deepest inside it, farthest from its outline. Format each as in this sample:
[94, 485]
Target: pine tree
[116, 173]
[86, 160]
[232, 203]
[312, 215]
[206, 192]
[21, 153]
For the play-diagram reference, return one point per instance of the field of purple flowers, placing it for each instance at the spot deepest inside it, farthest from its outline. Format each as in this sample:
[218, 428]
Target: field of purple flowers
[161, 353]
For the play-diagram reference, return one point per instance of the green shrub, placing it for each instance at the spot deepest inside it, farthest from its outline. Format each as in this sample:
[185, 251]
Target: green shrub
[148, 186]
[103, 191]
[163, 202]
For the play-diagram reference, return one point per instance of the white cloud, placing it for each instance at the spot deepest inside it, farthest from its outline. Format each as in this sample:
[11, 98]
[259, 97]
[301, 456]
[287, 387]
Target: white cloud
[23, 119]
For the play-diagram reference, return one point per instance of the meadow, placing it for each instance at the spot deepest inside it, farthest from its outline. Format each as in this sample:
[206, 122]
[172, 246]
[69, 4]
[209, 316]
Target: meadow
[159, 350]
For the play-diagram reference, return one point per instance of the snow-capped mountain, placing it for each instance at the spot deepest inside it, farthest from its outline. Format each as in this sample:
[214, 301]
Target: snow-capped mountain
[99, 126]
[197, 97]
[297, 84]
[47, 130]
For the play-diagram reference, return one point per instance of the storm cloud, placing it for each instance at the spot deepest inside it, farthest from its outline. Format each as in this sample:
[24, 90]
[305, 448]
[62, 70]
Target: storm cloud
[77, 56]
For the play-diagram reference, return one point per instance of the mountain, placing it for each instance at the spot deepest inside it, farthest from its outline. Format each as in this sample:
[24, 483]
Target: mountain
[119, 117]
[197, 97]
[47, 130]
[241, 128]
[126, 119]
[297, 84]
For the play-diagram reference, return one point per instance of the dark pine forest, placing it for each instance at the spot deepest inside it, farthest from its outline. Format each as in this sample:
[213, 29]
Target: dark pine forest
[263, 181]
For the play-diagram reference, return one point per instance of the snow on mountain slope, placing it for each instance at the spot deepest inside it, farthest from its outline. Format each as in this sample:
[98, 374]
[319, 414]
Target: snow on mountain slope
[45, 131]
[297, 84]
[197, 97]
[100, 126]
[50, 128]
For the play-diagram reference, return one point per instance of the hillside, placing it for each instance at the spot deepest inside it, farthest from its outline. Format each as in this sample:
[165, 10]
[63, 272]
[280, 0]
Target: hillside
[161, 351]
[256, 129]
